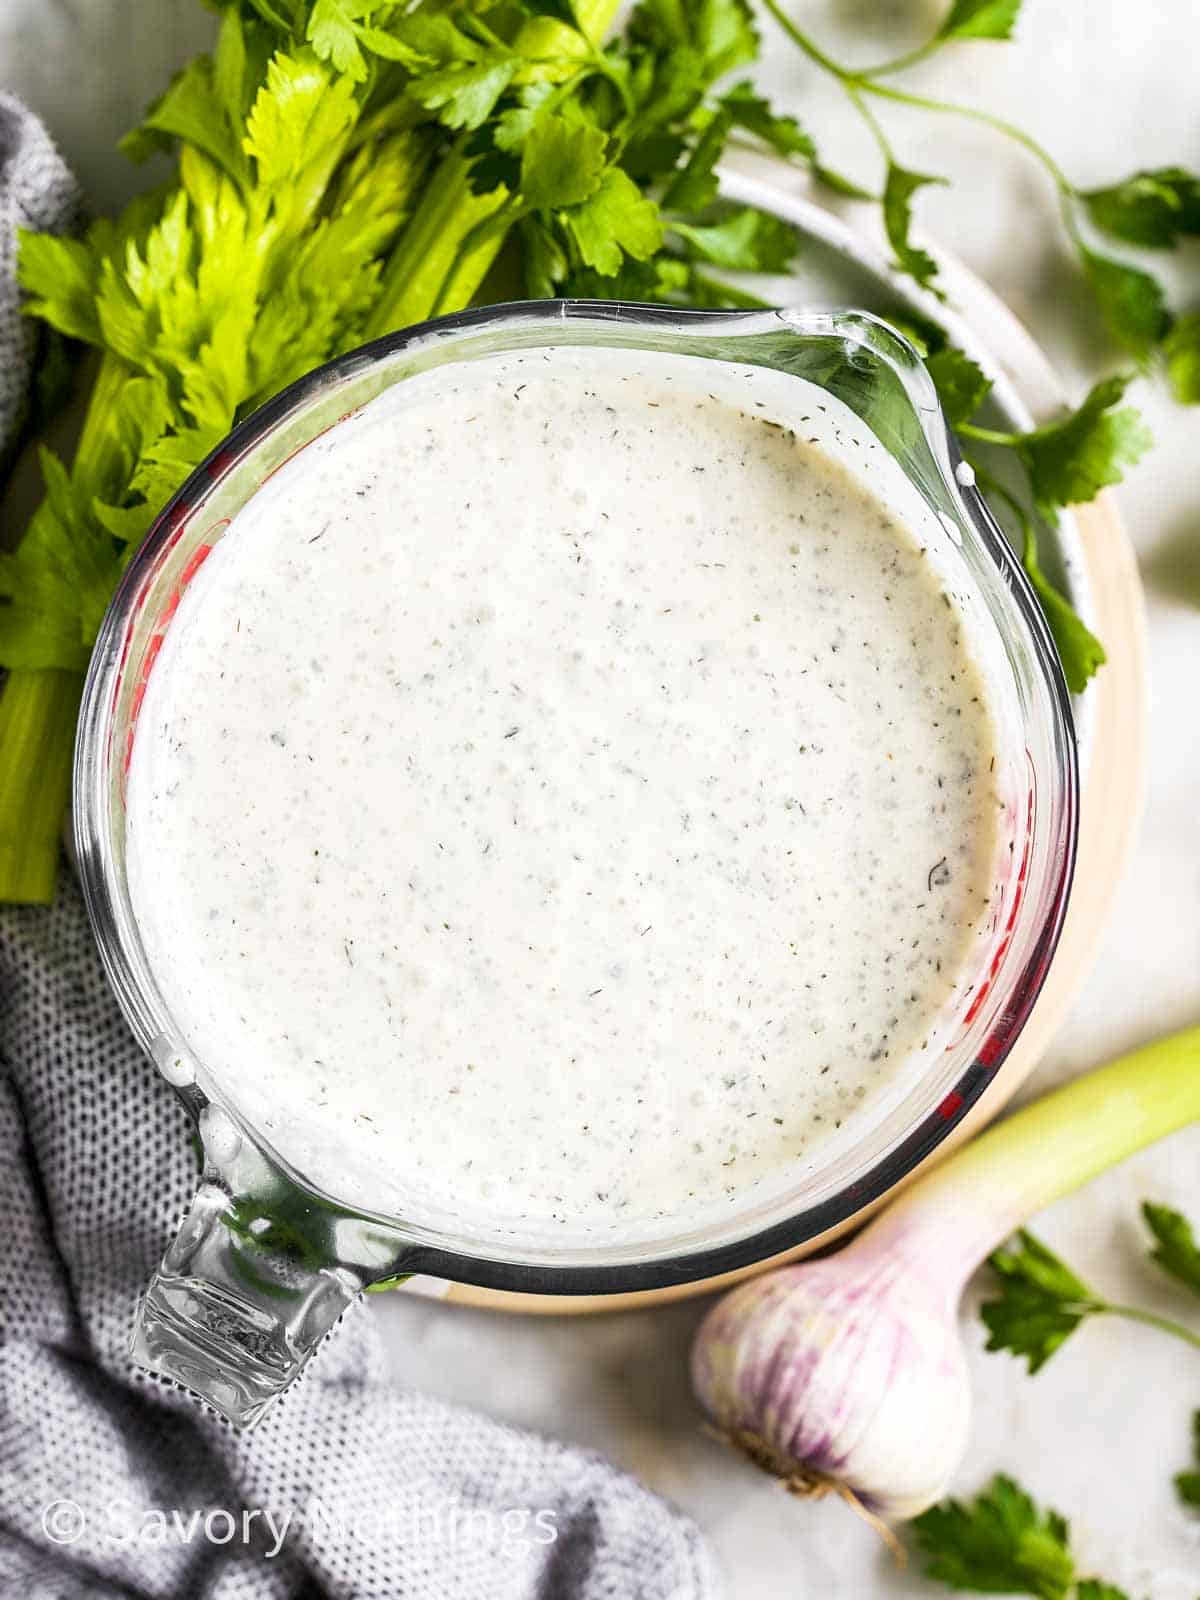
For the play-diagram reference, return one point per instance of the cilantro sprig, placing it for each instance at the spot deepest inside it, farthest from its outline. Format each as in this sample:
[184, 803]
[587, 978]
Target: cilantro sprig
[1002, 1542]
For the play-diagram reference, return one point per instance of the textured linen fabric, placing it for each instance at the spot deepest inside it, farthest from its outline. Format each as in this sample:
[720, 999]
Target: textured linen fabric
[113, 1484]
[36, 191]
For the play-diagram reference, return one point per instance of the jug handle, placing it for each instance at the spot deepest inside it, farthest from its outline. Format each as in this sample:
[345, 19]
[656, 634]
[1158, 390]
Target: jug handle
[229, 1314]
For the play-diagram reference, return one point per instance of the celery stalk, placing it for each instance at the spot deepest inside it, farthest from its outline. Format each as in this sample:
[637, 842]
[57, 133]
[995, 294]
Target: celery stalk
[39, 706]
[37, 739]
[429, 271]
[428, 250]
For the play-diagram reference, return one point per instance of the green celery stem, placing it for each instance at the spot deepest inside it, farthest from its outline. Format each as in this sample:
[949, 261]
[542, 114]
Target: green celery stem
[428, 272]
[416, 271]
[946, 1222]
[37, 739]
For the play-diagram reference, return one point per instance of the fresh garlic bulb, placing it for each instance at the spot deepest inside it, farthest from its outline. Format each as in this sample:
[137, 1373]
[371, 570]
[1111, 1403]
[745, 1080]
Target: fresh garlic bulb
[848, 1374]
[832, 1377]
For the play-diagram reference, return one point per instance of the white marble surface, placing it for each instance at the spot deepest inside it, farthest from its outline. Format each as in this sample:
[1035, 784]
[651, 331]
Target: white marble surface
[1109, 86]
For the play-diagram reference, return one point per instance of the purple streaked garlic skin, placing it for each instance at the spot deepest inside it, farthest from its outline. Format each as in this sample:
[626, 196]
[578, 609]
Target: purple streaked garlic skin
[832, 1376]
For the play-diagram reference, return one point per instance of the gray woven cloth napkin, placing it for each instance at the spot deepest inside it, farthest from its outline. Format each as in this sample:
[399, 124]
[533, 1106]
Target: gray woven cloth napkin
[114, 1485]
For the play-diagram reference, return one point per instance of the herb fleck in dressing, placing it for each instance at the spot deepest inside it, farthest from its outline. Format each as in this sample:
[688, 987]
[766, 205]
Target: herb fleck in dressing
[566, 796]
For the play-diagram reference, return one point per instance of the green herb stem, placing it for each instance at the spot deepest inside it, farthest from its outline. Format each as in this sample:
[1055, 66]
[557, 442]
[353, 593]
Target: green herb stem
[38, 707]
[38, 710]
[864, 81]
[911, 58]
[871, 120]
[970, 430]
[813, 51]
[1150, 1319]
[955, 108]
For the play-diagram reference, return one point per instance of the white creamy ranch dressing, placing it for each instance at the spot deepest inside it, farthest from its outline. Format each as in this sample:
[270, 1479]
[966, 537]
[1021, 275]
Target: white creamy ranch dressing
[567, 794]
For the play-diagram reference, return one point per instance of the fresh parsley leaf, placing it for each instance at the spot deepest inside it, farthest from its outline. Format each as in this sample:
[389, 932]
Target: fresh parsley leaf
[747, 240]
[1130, 300]
[1187, 1484]
[705, 38]
[464, 96]
[513, 127]
[842, 185]
[694, 186]
[544, 260]
[1093, 1589]
[1081, 654]
[333, 34]
[1176, 1250]
[980, 19]
[728, 37]
[897, 218]
[1181, 351]
[1069, 461]
[1001, 1543]
[617, 218]
[1041, 1302]
[389, 47]
[1151, 209]
[751, 112]
[562, 162]
[962, 384]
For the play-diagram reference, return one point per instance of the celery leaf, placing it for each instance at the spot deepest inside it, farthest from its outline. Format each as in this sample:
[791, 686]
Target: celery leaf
[59, 277]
